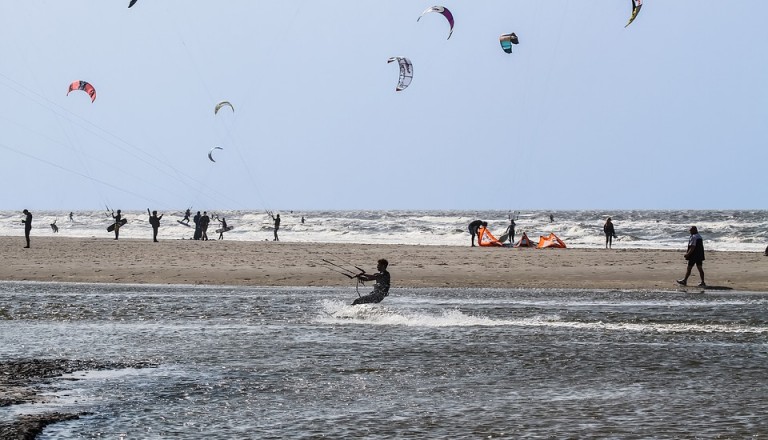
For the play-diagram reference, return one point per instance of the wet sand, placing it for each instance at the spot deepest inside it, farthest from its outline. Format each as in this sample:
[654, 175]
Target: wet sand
[268, 263]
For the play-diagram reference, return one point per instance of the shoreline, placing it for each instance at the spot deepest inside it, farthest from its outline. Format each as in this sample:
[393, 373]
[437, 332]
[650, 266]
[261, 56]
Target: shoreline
[267, 264]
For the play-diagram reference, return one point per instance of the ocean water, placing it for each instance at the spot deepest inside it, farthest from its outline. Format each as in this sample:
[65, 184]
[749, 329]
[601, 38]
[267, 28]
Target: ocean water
[275, 363]
[643, 229]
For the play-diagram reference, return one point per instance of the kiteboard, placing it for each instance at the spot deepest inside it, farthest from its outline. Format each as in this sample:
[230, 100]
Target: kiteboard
[184, 223]
[228, 228]
[111, 227]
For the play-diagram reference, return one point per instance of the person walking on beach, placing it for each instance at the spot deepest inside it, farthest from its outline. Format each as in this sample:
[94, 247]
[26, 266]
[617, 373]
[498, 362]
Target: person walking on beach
[277, 225]
[204, 221]
[473, 227]
[223, 223]
[154, 220]
[27, 220]
[380, 289]
[610, 233]
[694, 255]
[118, 218]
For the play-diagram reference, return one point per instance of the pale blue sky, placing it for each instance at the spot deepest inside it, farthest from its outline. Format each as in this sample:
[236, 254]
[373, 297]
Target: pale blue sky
[671, 112]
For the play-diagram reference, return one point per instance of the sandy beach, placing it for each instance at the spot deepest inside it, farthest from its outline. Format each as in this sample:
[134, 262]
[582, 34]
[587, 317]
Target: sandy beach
[268, 263]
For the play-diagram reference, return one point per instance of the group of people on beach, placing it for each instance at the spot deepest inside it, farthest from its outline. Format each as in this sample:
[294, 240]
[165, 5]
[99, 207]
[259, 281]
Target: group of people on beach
[694, 254]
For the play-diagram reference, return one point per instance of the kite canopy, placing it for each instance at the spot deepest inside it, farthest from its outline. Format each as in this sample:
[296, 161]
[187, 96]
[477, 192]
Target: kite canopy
[84, 86]
[441, 10]
[222, 104]
[507, 40]
[486, 239]
[636, 5]
[550, 241]
[406, 72]
[133, 2]
[210, 153]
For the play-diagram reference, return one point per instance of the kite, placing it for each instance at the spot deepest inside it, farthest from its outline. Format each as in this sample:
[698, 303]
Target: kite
[133, 2]
[446, 13]
[507, 40]
[84, 86]
[636, 5]
[406, 72]
[222, 104]
[210, 153]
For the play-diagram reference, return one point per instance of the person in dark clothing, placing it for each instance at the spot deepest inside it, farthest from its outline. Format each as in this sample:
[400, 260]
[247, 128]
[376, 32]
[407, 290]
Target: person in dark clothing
[154, 220]
[118, 218]
[223, 223]
[54, 228]
[511, 230]
[694, 255]
[186, 216]
[204, 222]
[610, 233]
[380, 289]
[473, 227]
[27, 220]
[277, 226]
[198, 231]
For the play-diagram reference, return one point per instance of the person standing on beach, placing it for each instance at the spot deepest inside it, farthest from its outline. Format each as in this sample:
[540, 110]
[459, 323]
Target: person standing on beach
[204, 221]
[117, 218]
[277, 225]
[154, 220]
[511, 230]
[473, 227]
[694, 255]
[610, 233]
[380, 289]
[196, 219]
[27, 220]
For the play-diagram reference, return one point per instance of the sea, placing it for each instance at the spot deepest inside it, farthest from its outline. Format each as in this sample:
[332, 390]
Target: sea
[302, 363]
[735, 230]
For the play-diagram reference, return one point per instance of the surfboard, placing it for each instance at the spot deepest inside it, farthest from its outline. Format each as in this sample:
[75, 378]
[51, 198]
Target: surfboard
[220, 230]
[183, 223]
[111, 227]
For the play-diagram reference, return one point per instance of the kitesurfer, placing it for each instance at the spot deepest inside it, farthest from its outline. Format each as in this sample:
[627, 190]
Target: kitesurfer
[473, 227]
[204, 221]
[154, 220]
[380, 289]
[70, 216]
[511, 230]
[277, 225]
[117, 218]
[694, 255]
[54, 228]
[610, 233]
[186, 217]
[223, 223]
[27, 220]
[551, 218]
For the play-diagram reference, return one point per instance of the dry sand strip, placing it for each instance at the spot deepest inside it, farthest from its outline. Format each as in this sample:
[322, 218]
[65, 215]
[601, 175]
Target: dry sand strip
[267, 263]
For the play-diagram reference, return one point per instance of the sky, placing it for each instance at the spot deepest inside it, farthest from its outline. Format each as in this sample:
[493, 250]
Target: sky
[668, 113]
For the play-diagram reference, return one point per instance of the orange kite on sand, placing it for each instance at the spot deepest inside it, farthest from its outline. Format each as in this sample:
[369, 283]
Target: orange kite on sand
[551, 241]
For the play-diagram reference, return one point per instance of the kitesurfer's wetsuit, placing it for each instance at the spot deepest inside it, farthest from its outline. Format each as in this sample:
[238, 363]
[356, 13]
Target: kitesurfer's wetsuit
[380, 289]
